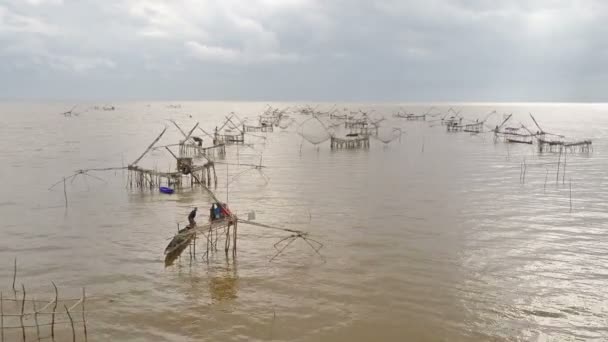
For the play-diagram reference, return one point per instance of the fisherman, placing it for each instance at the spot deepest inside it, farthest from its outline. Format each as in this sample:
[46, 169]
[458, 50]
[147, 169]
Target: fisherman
[212, 213]
[217, 212]
[191, 217]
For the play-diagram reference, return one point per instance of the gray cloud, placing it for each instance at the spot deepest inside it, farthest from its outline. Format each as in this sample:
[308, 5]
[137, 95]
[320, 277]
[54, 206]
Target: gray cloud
[539, 50]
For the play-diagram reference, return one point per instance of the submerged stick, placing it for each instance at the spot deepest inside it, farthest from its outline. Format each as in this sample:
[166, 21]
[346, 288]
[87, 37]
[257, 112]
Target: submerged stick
[564, 169]
[36, 320]
[570, 194]
[54, 311]
[525, 169]
[558, 162]
[1, 318]
[15, 275]
[71, 323]
[22, 313]
[84, 320]
[65, 194]
[521, 170]
[546, 176]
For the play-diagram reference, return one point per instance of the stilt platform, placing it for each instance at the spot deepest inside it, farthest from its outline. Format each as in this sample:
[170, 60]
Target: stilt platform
[350, 143]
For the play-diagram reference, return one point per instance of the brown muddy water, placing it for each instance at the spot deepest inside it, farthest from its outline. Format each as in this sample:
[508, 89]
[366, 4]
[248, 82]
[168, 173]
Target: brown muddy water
[433, 238]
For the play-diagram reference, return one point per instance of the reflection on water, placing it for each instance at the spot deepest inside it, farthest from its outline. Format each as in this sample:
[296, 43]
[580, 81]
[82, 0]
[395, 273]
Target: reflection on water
[434, 237]
[223, 282]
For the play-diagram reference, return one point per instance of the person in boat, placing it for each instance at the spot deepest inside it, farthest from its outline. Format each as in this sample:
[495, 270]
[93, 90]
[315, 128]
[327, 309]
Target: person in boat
[191, 217]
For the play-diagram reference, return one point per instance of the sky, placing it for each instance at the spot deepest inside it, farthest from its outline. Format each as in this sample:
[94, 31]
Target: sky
[305, 50]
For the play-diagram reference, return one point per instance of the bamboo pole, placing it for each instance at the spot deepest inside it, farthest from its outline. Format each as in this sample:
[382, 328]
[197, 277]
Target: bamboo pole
[71, 323]
[22, 312]
[227, 243]
[179, 128]
[191, 131]
[570, 194]
[54, 311]
[558, 162]
[234, 237]
[1, 318]
[84, 320]
[564, 169]
[525, 169]
[65, 194]
[150, 147]
[14, 275]
[36, 320]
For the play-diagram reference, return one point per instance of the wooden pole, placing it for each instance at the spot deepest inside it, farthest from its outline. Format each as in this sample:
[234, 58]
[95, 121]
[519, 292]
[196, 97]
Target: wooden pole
[150, 147]
[234, 236]
[84, 320]
[190, 133]
[22, 312]
[179, 128]
[54, 311]
[14, 275]
[174, 156]
[570, 194]
[71, 322]
[525, 169]
[227, 243]
[1, 318]
[558, 162]
[564, 169]
[36, 320]
[65, 194]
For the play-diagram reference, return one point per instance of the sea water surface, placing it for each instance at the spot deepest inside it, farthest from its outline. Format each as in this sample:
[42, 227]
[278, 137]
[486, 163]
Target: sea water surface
[432, 237]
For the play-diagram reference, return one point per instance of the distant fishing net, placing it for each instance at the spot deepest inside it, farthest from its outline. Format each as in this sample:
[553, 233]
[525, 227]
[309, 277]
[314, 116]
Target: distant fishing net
[285, 123]
[314, 131]
[388, 135]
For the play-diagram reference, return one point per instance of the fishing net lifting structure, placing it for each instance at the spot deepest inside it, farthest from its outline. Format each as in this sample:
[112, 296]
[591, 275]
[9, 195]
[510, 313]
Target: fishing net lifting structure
[314, 131]
[388, 135]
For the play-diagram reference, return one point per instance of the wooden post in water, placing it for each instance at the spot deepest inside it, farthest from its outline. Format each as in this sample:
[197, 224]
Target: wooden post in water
[54, 311]
[558, 162]
[84, 319]
[36, 319]
[65, 194]
[570, 194]
[227, 243]
[14, 274]
[234, 237]
[22, 313]
[564, 170]
[71, 322]
[1, 318]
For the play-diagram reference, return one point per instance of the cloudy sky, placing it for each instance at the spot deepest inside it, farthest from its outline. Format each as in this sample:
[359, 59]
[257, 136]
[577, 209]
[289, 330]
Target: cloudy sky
[324, 50]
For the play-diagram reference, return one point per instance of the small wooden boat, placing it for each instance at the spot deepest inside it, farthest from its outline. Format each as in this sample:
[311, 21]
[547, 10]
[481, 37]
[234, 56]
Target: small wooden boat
[516, 141]
[177, 245]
